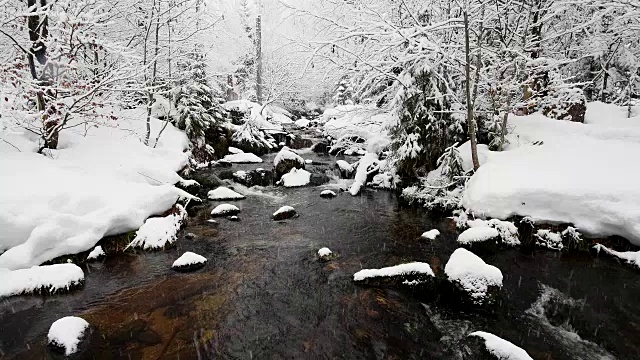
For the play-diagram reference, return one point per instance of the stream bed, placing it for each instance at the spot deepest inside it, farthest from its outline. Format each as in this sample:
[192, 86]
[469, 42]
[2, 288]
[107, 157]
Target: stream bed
[264, 294]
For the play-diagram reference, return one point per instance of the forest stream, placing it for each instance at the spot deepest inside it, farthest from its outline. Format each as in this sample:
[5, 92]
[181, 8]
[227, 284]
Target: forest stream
[264, 294]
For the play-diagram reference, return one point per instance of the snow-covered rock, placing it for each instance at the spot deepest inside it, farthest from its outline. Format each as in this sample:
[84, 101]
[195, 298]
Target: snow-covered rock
[501, 348]
[417, 269]
[303, 123]
[295, 178]
[49, 279]
[477, 235]
[286, 160]
[233, 218]
[367, 168]
[549, 239]
[285, 212]
[308, 161]
[96, 253]
[224, 193]
[630, 257]
[473, 275]
[189, 261]
[67, 333]
[431, 234]
[506, 229]
[324, 253]
[346, 169]
[243, 158]
[225, 210]
[159, 232]
[327, 194]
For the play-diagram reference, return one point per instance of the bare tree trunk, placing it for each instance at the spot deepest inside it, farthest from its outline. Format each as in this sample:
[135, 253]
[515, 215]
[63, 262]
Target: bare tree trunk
[470, 119]
[259, 54]
[153, 75]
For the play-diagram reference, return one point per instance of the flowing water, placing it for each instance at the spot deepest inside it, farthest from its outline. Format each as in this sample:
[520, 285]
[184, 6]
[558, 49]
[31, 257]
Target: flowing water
[264, 294]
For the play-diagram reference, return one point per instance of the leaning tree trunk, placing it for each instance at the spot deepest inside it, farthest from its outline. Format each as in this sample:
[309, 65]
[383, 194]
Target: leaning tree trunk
[470, 119]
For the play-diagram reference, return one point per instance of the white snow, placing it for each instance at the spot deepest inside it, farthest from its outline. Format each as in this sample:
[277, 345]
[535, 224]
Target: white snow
[224, 209]
[224, 193]
[328, 193]
[284, 209]
[101, 181]
[303, 123]
[368, 161]
[507, 230]
[49, 278]
[243, 158]
[501, 348]
[324, 252]
[549, 239]
[96, 253]
[296, 178]
[630, 257]
[189, 258]
[344, 166]
[235, 150]
[402, 269]
[581, 174]
[472, 273]
[477, 234]
[158, 232]
[67, 332]
[431, 234]
[287, 154]
[308, 161]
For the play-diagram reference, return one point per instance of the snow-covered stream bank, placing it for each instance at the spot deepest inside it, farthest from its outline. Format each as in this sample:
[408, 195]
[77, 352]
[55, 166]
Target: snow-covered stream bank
[264, 294]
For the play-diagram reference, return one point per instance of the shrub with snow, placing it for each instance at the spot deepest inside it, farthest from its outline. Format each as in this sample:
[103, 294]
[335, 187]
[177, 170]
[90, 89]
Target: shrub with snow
[295, 178]
[46, 279]
[225, 210]
[224, 193]
[189, 261]
[368, 167]
[67, 333]
[159, 232]
[285, 212]
[418, 270]
[501, 348]
[473, 276]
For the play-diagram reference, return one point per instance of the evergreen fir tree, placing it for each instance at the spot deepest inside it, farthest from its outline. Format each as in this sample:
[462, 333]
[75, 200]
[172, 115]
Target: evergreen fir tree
[344, 94]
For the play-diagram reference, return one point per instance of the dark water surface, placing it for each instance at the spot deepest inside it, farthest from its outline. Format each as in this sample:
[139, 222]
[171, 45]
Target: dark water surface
[264, 295]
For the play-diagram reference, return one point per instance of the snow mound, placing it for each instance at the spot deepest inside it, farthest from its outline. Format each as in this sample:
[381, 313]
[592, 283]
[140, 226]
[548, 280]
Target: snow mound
[477, 234]
[630, 257]
[96, 253]
[189, 260]
[225, 209]
[501, 348]
[580, 174]
[48, 279]
[296, 178]
[344, 166]
[398, 270]
[431, 234]
[224, 193]
[287, 154]
[324, 252]
[66, 333]
[303, 123]
[243, 158]
[473, 274]
[158, 232]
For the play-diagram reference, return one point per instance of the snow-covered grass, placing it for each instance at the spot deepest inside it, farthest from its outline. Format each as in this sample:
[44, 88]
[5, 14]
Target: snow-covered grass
[189, 259]
[225, 209]
[40, 279]
[398, 270]
[66, 333]
[581, 173]
[431, 234]
[501, 348]
[101, 181]
[296, 178]
[630, 257]
[96, 253]
[243, 158]
[472, 274]
[224, 193]
[159, 232]
[477, 234]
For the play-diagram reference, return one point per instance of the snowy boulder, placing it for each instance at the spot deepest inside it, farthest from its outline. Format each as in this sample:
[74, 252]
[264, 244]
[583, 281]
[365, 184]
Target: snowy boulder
[286, 160]
[257, 177]
[321, 148]
[243, 158]
[159, 232]
[409, 273]
[66, 334]
[431, 234]
[325, 254]
[224, 193]
[189, 261]
[285, 212]
[496, 348]
[225, 210]
[46, 279]
[480, 238]
[96, 253]
[328, 194]
[190, 186]
[295, 178]
[346, 169]
[470, 274]
[302, 123]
